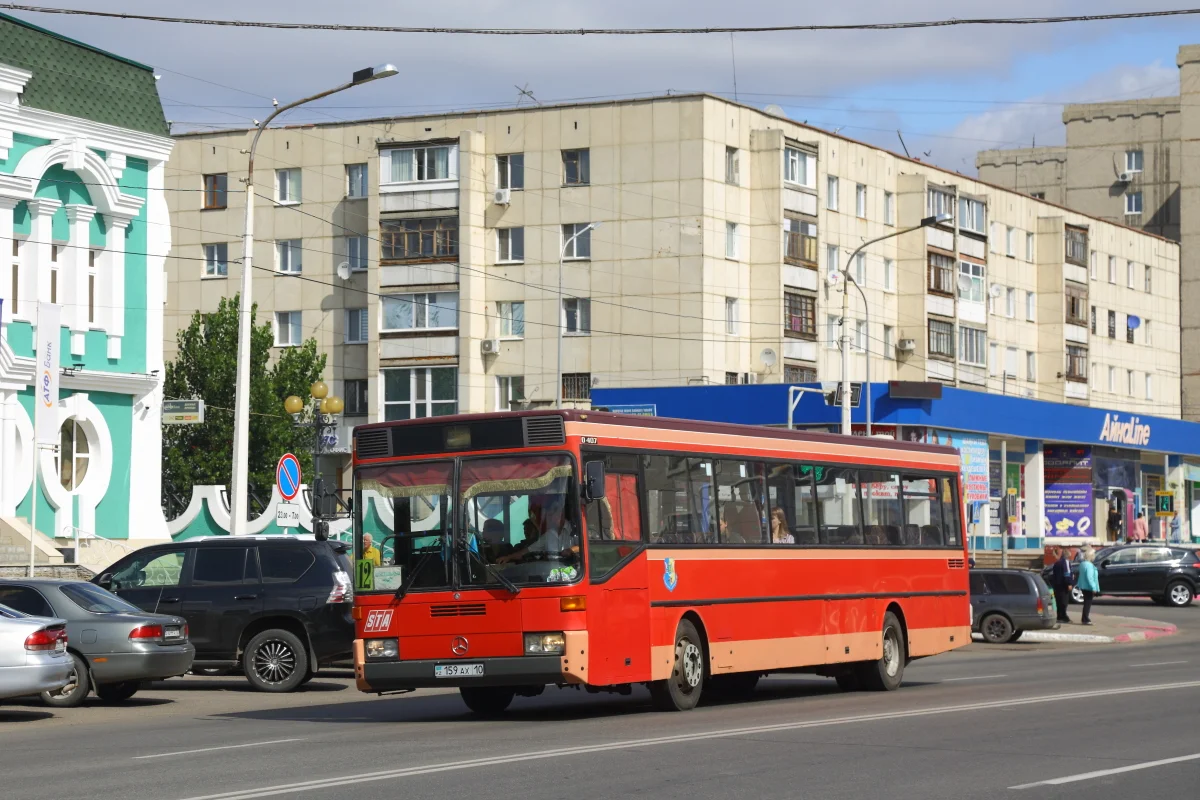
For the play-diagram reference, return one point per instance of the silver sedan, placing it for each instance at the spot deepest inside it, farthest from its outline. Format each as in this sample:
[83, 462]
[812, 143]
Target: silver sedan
[33, 654]
[114, 645]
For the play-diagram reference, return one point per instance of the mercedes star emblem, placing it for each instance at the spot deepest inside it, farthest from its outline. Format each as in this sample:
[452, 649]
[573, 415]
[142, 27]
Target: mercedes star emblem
[459, 646]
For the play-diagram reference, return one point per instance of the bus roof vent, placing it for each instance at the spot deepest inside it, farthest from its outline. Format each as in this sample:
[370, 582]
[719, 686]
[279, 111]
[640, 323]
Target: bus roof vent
[373, 443]
[544, 431]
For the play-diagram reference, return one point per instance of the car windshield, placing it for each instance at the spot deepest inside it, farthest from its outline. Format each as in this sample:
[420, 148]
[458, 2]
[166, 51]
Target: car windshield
[93, 599]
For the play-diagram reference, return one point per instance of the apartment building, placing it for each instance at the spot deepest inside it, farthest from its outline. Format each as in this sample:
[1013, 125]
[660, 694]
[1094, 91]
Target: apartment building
[693, 238]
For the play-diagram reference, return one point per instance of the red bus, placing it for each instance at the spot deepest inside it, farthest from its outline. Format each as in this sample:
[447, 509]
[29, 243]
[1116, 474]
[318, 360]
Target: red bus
[503, 553]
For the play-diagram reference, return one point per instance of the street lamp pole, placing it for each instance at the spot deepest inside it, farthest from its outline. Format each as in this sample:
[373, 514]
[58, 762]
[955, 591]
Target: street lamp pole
[562, 256]
[325, 411]
[845, 385]
[238, 509]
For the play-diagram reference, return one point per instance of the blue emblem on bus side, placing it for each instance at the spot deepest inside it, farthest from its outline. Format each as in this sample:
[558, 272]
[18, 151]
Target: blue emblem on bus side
[670, 577]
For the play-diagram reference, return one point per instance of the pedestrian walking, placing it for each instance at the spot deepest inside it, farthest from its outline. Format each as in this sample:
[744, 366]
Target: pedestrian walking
[1175, 526]
[1062, 578]
[1139, 531]
[1088, 583]
[1114, 522]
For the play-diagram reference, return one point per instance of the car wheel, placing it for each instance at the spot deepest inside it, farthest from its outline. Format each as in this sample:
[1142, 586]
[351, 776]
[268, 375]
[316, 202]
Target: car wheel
[681, 691]
[275, 661]
[996, 628]
[76, 688]
[886, 674]
[117, 692]
[487, 701]
[1076, 595]
[1179, 594]
[1016, 635]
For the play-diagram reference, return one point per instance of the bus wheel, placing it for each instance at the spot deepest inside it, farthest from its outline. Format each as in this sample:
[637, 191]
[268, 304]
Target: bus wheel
[487, 701]
[681, 692]
[886, 674]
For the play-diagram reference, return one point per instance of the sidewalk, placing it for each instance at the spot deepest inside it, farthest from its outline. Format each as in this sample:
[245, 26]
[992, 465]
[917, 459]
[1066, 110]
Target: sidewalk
[1108, 629]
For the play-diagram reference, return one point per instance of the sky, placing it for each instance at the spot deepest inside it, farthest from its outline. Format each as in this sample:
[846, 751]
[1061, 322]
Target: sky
[950, 91]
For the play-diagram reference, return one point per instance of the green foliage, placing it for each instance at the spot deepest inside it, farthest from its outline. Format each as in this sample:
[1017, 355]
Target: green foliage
[204, 368]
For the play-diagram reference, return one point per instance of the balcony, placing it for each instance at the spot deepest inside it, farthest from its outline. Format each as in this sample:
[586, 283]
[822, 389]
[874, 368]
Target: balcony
[1076, 246]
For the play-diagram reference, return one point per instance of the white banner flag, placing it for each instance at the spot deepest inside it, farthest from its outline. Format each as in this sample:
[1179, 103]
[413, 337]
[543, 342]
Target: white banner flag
[45, 390]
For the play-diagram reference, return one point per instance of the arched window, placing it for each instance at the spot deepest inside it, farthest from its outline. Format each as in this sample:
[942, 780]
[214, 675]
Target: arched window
[73, 455]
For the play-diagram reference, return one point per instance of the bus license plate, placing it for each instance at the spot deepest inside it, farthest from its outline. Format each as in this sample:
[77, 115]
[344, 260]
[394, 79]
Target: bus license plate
[457, 670]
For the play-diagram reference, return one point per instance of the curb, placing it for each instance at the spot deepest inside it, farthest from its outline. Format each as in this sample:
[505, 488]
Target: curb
[1143, 633]
[1147, 633]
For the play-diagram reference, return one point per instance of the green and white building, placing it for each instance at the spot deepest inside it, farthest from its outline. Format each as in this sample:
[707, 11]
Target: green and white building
[83, 223]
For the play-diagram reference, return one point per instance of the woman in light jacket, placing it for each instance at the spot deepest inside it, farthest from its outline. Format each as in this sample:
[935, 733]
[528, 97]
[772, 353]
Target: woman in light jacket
[1088, 582]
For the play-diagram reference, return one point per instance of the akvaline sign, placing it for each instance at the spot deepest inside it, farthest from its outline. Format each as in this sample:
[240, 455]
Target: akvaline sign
[1130, 431]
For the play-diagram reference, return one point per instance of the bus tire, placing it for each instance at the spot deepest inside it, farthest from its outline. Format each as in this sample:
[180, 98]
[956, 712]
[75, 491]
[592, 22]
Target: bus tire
[487, 701]
[681, 691]
[886, 674]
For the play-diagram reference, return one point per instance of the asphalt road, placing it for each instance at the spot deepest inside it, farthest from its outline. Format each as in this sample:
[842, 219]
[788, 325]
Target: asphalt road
[973, 723]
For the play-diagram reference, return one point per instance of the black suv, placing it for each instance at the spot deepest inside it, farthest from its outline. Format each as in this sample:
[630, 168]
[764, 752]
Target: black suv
[1170, 574]
[278, 606]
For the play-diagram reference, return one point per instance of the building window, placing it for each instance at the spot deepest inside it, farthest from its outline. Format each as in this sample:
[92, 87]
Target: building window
[1149, 386]
[994, 238]
[941, 274]
[510, 171]
[860, 200]
[800, 315]
[1128, 330]
[287, 186]
[831, 258]
[889, 274]
[941, 338]
[1076, 298]
[1133, 160]
[732, 171]
[418, 238]
[73, 455]
[833, 332]
[889, 208]
[1093, 271]
[941, 202]
[731, 379]
[1029, 247]
[800, 241]
[860, 335]
[419, 393]
[993, 358]
[357, 327]
[512, 319]
[1130, 269]
[1112, 380]
[91, 282]
[1112, 324]
[1146, 332]
[510, 392]
[289, 256]
[576, 167]
[860, 269]
[1133, 203]
[972, 215]
[1112, 269]
[356, 180]
[356, 397]
[510, 245]
[216, 260]
[423, 311]
[577, 316]
[971, 282]
[731, 240]
[216, 191]
[577, 241]
[1129, 382]
[1010, 303]
[1010, 241]
[889, 342]
[420, 164]
[1148, 284]
[799, 167]
[731, 316]
[1076, 363]
[356, 252]
[796, 374]
[972, 345]
[1030, 366]
[577, 386]
[1010, 362]
[1077, 246]
[1095, 373]
[1030, 306]
[1038, 195]
[289, 329]
[1093, 327]
[831, 193]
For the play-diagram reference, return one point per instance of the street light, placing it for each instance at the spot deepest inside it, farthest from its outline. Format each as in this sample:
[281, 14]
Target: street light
[323, 413]
[241, 399]
[562, 255]
[936, 219]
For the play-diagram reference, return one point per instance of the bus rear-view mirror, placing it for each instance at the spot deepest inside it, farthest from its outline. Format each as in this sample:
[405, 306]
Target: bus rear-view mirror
[593, 480]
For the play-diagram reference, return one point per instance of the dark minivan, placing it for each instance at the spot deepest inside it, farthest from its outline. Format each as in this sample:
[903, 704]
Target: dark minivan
[277, 606]
[1007, 602]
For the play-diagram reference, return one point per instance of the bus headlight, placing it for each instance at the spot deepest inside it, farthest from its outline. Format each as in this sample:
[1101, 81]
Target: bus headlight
[382, 648]
[545, 644]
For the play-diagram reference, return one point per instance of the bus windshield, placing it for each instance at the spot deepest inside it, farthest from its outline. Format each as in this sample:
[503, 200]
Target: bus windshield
[402, 515]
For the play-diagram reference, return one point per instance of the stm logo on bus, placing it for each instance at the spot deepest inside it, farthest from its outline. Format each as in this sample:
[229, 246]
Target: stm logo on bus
[378, 621]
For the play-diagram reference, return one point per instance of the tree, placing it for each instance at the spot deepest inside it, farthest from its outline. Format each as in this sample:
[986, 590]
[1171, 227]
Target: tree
[205, 368]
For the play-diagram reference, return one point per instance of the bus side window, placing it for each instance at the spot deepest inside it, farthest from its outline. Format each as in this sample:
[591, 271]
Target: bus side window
[841, 517]
[740, 502]
[951, 503]
[922, 512]
[614, 525]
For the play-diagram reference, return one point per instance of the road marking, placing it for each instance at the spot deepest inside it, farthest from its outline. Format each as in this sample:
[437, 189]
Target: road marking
[1104, 773]
[972, 678]
[628, 744]
[1159, 664]
[222, 747]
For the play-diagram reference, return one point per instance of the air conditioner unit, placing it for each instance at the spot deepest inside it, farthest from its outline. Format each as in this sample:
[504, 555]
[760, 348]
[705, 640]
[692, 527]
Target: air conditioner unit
[907, 345]
[502, 197]
[1125, 177]
[489, 347]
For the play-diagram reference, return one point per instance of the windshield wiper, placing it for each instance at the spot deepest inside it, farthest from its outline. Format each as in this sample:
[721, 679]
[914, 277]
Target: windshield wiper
[412, 577]
[495, 573]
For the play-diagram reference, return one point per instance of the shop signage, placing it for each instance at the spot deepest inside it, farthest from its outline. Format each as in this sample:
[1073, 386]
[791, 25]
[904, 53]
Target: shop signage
[972, 449]
[1068, 492]
[1129, 431]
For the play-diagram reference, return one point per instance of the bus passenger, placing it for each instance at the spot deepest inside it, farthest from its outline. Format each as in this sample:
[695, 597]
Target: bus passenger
[779, 528]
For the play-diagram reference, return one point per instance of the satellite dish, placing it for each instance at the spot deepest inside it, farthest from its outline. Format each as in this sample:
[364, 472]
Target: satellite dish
[777, 110]
[995, 290]
[768, 357]
[834, 279]
[343, 270]
[1134, 322]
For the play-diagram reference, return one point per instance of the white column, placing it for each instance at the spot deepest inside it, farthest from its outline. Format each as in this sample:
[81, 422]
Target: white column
[7, 204]
[36, 264]
[112, 294]
[1035, 485]
[73, 275]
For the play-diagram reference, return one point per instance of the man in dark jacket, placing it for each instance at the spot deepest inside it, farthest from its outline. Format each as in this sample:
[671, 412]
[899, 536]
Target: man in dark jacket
[1062, 578]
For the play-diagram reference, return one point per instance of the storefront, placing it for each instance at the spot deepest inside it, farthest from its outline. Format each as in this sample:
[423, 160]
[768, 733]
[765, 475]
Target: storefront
[1080, 474]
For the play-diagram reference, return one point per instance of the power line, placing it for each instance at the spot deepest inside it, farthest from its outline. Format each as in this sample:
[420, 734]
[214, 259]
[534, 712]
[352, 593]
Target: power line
[868, 26]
